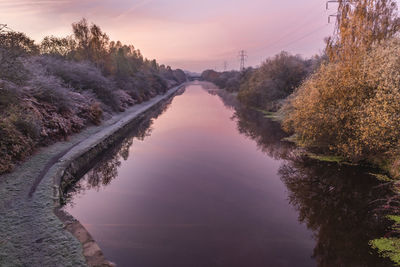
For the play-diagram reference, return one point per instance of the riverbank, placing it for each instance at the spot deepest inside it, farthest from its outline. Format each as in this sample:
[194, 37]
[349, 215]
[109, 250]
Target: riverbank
[32, 233]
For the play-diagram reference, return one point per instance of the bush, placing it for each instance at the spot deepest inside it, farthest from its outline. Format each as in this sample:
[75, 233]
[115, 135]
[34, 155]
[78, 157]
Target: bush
[28, 127]
[83, 76]
[48, 88]
[8, 94]
[210, 75]
[95, 113]
[228, 80]
[352, 111]
[14, 146]
[276, 79]
[14, 47]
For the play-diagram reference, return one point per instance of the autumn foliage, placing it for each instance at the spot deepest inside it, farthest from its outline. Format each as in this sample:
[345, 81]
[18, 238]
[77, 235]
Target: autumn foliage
[350, 106]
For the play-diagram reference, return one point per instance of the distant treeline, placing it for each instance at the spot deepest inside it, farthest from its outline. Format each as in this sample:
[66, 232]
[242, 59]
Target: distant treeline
[53, 89]
[267, 86]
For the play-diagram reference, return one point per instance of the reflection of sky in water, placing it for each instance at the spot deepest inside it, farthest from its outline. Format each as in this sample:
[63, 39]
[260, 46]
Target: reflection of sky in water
[197, 188]
[196, 192]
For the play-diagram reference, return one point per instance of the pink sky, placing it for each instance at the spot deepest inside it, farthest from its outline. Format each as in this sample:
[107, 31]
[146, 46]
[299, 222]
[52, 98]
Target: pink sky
[192, 35]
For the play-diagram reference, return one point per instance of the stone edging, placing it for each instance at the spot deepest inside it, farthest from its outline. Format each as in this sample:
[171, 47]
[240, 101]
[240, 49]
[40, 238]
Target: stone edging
[75, 163]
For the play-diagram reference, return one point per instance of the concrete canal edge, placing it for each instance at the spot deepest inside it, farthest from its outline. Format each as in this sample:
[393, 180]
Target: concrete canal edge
[33, 227]
[74, 163]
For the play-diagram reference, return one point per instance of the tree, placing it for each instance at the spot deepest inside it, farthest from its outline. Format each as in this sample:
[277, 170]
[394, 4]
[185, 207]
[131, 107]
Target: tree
[58, 46]
[359, 25]
[277, 78]
[13, 47]
[349, 106]
[91, 42]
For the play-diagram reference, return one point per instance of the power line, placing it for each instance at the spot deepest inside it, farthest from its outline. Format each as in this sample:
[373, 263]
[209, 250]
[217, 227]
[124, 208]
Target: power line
[292, 41]
[294, 21]
[243, 55]
[305, 35]
[242, 58]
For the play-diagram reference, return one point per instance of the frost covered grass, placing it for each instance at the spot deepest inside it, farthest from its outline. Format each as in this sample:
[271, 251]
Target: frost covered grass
[51, 90]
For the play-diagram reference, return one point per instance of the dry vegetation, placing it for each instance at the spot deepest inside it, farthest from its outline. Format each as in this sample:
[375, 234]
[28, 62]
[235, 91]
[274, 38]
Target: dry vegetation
[53, 89]
[350, 105]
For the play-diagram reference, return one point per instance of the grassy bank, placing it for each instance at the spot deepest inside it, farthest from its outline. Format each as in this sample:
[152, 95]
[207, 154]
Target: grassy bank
[56, 88]
[32, 234]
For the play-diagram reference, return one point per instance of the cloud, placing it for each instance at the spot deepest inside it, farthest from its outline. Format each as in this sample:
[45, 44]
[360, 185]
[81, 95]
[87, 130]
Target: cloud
[200, 33]
[133, 8]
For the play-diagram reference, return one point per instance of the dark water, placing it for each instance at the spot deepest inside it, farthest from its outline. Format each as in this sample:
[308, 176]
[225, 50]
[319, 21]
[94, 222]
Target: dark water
[203, 184]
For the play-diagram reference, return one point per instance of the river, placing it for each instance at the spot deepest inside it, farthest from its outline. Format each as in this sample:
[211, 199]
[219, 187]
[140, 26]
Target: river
[201, 183]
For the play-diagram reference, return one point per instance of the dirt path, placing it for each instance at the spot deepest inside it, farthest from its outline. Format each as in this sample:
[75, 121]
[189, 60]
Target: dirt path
[31, 234]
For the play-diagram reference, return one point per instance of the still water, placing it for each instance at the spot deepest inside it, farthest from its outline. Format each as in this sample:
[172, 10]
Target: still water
[201, 183]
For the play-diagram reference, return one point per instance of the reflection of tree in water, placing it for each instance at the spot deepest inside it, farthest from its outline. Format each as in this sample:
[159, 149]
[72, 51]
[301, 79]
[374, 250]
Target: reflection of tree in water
[105, 170]
[228, 99]
[337, 202]
[253, 124]
[267, 133]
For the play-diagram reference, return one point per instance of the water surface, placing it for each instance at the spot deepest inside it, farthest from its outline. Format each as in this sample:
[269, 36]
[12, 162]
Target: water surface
[203, 184]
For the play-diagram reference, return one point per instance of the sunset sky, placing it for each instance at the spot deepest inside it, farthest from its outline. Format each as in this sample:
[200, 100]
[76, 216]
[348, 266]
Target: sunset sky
[192, 35]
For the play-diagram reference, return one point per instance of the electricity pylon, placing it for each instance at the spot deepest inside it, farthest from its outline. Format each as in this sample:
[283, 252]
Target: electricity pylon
[242, 58]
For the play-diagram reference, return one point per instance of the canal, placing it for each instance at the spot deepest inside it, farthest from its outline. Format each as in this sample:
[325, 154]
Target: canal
[201, 183]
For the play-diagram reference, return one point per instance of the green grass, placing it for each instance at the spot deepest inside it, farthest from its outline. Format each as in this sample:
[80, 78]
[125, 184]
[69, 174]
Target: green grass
[275, 116]
[381, 177]
[396, 219]
[292, 139]
[389, 247]
[326, 158]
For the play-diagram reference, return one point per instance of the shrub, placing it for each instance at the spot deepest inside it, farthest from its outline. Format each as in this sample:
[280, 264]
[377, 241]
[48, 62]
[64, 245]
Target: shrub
[8, 94]
[48, 88]
[14, 146]
[83, 76]
[210, 75]
[228, 80]
[14, 47]
[179, 75]
[352, 111]
[95, 113]
[28, 127]
[276, 79]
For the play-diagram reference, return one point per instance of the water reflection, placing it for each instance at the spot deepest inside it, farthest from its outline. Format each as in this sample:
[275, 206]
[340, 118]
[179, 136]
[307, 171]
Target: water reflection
[337, 202]
[106, 169]
[266, 133]
[199, 193]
